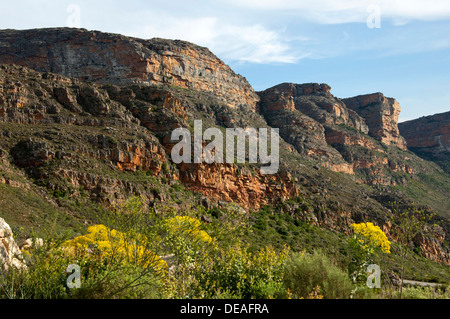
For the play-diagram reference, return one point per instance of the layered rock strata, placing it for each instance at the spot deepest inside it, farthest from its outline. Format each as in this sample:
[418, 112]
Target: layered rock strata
[116, 59]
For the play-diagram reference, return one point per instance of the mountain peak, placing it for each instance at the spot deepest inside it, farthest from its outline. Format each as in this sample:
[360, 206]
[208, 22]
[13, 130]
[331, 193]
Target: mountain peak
[108, 58]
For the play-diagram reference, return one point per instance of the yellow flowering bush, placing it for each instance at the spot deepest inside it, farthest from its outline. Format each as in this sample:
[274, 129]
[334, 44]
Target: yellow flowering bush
[110, 243]
[184, 237]
[371, 237]
[366, 241]
[188, 226]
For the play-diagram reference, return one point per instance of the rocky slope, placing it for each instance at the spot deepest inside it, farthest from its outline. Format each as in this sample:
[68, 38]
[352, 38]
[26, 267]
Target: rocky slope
[88, 128]
[69, 141]
[344, 135]
[428, 134]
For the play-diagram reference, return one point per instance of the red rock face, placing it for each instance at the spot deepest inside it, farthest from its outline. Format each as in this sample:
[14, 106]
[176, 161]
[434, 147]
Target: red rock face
[430, 134]
[313, 100]
[282, 96]
[381, 116]
[293, 108]
[226, 182]
[115, 59]
[66, 101]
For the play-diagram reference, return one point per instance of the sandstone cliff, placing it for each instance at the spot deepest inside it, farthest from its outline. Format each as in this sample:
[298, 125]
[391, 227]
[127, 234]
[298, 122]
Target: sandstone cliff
[115, 59]
[429, 134]
[344, 135]
[91, 129]
[381, 115]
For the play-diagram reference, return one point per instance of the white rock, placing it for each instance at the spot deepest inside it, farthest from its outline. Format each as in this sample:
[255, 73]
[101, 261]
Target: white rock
[9, 251]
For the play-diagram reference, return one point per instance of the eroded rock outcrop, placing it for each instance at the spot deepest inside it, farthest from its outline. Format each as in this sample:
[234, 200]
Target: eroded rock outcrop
[381, 116]
[431, 242]
[313, 100]
[127, 128]
[300, 110]
[347, 135]
[115, 59]
[241, 185]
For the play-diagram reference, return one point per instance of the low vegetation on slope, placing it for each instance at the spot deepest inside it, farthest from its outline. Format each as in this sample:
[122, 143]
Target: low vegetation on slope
[130, 251]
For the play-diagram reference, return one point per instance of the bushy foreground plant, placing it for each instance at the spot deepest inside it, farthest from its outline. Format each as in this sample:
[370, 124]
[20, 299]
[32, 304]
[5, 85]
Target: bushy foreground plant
[309, 274]
[408, 223]
[118, 259]
[44, 277]
[104, 243]
[112, 265]
[115, 263]
[240, 273]
[184, 237]
[423, 293]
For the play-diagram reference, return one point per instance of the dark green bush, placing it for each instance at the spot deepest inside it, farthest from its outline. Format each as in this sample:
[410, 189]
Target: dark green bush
[305, 272]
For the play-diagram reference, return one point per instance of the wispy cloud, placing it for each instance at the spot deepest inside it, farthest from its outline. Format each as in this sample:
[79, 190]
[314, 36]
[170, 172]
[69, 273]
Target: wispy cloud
[348, 11]
[252, 31]
[253, 43]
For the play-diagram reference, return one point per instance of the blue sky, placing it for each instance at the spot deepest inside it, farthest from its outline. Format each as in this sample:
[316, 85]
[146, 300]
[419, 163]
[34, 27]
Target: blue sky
[398, 47]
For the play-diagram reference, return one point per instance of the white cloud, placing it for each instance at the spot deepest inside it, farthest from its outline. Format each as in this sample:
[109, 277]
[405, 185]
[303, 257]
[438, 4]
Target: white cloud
[243, 43]
[346, 11]
[231, 35]
[252, 43]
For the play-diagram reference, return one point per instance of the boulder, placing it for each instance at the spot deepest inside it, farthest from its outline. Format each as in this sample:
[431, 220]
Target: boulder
[9, 251]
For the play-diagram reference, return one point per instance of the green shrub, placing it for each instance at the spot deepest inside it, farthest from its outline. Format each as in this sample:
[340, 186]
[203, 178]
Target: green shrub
[165, 168]
[416, 293]
[242, 273]
[177, 187]
[304, 272]
[424, 293]
[44, 277]
[111, 276]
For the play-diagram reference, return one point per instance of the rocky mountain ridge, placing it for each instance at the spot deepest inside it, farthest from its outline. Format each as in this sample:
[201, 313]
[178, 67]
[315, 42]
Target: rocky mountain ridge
[332, 129]
[107, 58]
[86, 115]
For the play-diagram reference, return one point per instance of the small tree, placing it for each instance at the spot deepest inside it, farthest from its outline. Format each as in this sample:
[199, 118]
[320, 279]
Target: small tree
[408, 223]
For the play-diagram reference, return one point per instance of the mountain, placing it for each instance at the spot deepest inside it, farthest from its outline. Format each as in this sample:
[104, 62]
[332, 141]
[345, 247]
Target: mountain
[115, 59]
[86, 119]
[429, 137]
